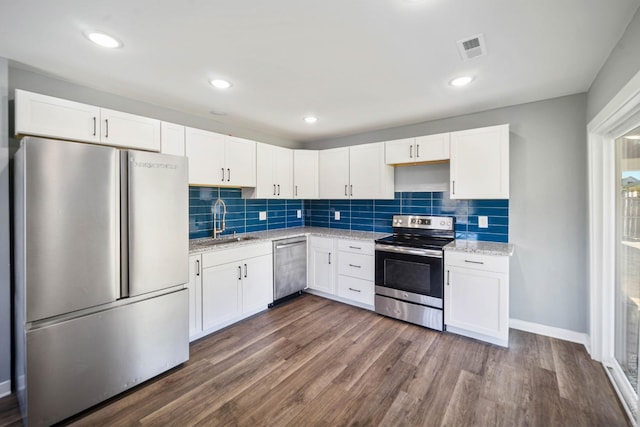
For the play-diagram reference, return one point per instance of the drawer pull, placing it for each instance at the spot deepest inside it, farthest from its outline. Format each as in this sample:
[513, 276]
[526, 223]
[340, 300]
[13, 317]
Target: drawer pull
[473, 262]
[355, 247]
[355, 266]
[355, 290]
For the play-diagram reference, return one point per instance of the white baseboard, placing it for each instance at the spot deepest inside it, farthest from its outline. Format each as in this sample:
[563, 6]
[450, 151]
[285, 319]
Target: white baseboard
[5, 388]
[550, 331]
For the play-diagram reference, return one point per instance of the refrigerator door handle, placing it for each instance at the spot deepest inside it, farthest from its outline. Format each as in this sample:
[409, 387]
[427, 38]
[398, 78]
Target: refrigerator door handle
[124, 224]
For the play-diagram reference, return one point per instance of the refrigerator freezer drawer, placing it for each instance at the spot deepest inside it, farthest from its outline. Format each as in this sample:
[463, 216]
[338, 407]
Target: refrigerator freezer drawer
[76, 364]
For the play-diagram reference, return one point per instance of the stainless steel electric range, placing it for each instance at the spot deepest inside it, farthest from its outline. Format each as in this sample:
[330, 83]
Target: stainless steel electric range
[409, 267]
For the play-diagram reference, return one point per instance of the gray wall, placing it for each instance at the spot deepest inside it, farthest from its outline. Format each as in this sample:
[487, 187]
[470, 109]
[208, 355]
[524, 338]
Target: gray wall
[548, 203]
[623, 63]
[5, 276]
[20, 78]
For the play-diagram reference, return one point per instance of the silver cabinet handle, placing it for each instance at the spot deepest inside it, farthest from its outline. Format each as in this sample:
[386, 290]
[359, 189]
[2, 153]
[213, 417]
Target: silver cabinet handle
[411, 151]
[228, 174]
[94, 126]
[355, 266]
[197, 267]
[239, 272]
[296, 191]
[448, 275]
[274, 189]
[355, 290]
[245, 270]
[473, 262]
[355, 247]
[345, 190]
[278, 189]
[417, 150]
[351, 189]
[222, 169]
[329, 257]
[453, 187]
[106, 128]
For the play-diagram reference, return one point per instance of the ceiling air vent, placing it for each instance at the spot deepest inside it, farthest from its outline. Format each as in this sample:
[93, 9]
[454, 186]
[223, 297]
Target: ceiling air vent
[472, 47]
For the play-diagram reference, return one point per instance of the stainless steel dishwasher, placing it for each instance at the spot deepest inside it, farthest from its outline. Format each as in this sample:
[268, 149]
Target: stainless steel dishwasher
[289, 268]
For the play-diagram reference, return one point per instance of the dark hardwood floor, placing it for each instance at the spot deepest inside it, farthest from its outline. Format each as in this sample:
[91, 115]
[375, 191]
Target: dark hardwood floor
[317, 362]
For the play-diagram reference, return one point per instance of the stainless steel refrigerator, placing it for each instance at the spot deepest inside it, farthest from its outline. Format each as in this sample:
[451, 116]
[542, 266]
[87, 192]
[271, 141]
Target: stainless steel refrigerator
[101, 255]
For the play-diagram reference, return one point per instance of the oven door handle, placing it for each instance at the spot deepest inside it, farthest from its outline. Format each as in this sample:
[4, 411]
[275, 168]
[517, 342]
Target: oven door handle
[409, 251]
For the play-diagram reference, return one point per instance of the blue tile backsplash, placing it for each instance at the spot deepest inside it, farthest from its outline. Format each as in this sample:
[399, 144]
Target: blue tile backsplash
[361, 215]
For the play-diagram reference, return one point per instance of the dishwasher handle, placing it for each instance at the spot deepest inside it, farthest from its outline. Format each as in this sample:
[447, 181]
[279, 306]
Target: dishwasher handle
[288, 245]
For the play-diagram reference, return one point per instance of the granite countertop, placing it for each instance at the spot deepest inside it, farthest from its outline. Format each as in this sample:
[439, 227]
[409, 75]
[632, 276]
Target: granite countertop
[208, 244]
[483, 248]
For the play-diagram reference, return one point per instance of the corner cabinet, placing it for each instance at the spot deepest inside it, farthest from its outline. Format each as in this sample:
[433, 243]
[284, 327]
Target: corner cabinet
[480, 163]
[51, 117]
[476, 296]
[356, 172]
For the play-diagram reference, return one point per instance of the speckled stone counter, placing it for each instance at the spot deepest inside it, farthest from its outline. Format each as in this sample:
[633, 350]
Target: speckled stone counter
[484, 248]
[208, 244]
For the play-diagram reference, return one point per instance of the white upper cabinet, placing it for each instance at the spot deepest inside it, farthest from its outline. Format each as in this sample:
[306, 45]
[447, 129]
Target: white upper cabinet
[240, 162]
[205, 151]
[172, 139]
[369, 176]
[480, 163]
[305, 174]
[333, 172]
[357, 172]
[274, 173]
[216, 159]
[423, 149]
[52, 117]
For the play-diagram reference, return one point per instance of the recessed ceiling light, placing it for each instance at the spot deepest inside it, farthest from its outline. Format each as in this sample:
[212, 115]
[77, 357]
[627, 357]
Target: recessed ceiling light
[310, 119]
[220, 83]
[461, 81]
[104, 40]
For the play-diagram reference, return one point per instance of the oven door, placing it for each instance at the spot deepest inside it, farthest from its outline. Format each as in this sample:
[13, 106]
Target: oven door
[414, 270]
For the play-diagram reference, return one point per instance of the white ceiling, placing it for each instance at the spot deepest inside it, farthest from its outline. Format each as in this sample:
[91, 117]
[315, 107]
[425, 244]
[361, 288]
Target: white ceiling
[358, 65]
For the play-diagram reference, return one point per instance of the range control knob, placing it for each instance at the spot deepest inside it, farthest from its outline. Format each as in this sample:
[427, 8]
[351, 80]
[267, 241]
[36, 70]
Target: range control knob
[442, 223]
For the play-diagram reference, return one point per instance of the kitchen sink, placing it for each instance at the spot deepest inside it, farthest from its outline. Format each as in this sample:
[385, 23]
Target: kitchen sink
[224, 240]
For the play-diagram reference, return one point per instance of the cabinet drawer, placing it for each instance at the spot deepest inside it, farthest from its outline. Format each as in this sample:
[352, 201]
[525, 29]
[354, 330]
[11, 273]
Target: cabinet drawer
[356, 265]
[356, 246]
[356, 289]
[477, 261]
[223, 256]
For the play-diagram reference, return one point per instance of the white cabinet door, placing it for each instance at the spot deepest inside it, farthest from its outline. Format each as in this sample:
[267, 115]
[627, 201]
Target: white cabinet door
[400, 151]
[265, 171]
[240, 162]
[257, 283]
[195, 295]
[333, 173]
[205, 151]
[305, 174]
[321, 264]
[480, 163]
[283, 172]
[432, 148]
[47, 116]
[221, 296]
[172, 139]
[370, 177]
[129, 130]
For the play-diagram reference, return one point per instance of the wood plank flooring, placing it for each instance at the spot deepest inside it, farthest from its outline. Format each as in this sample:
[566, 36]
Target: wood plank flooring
[315, 362]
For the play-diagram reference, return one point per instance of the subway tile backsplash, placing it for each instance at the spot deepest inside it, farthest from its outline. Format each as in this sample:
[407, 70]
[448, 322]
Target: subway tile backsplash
[362, 215]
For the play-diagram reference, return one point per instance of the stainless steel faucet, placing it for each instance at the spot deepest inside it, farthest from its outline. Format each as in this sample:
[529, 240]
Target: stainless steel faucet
[216, 205]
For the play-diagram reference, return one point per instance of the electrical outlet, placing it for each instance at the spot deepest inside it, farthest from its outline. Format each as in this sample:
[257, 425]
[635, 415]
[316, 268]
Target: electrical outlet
[337, 216]
[299, 213]
[263, 216]
[483, 222]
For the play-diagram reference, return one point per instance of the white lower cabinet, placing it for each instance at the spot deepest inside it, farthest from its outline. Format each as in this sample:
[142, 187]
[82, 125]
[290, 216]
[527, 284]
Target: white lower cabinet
[195, 295]
[476, 296]
[236, 283]
[321, 264]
